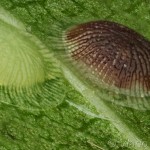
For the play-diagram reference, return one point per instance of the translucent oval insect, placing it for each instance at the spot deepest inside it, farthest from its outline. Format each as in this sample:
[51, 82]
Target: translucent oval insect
[113, 59]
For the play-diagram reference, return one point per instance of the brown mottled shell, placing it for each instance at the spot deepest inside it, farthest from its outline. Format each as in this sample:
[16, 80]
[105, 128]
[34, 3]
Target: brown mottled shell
[117, 57]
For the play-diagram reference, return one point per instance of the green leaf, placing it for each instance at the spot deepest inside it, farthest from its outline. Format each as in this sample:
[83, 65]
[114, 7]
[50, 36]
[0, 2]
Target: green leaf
[52, 108]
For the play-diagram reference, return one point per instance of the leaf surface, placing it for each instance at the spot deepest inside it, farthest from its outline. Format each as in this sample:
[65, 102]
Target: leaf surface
[62, 112]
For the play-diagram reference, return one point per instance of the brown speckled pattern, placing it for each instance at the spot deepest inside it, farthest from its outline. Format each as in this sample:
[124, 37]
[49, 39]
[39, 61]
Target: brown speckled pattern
[119, 55]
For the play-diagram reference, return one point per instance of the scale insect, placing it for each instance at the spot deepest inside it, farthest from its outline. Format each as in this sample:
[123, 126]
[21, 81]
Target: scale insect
[113, 59]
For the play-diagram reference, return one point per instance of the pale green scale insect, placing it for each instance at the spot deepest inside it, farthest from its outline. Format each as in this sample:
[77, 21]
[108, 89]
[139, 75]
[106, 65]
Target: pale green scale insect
[26, 66]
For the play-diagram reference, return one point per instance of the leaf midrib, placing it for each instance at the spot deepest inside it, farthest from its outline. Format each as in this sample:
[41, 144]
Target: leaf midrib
[101, 107]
